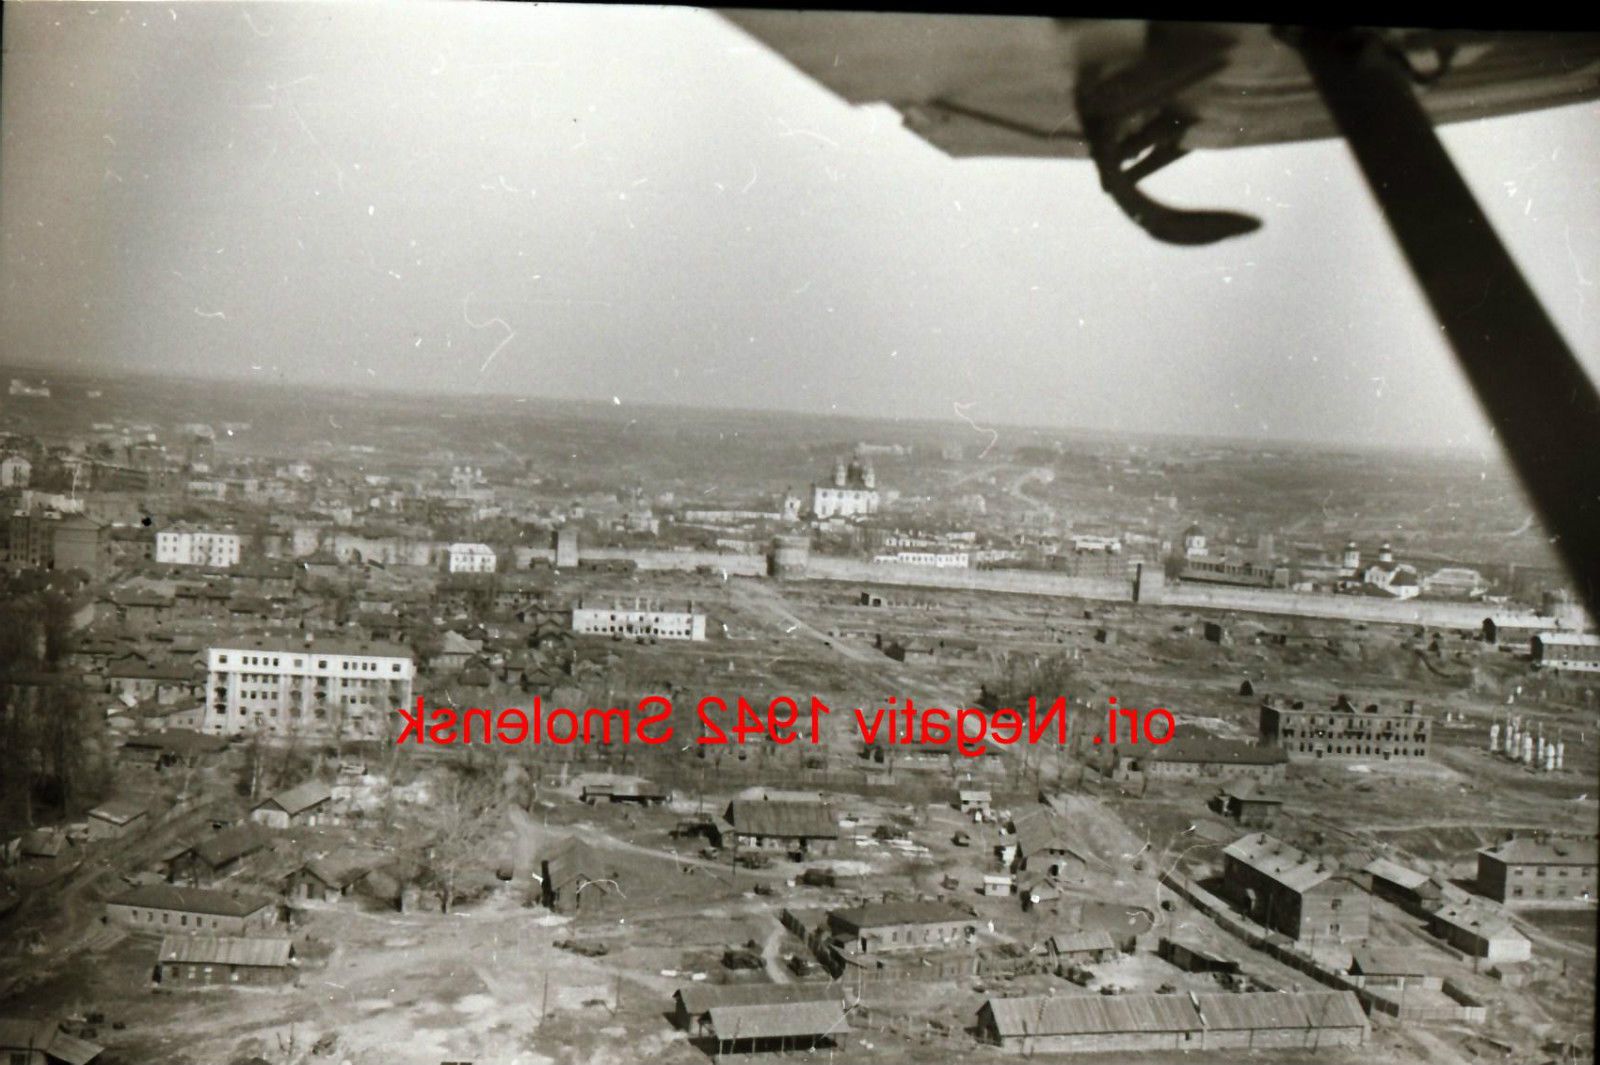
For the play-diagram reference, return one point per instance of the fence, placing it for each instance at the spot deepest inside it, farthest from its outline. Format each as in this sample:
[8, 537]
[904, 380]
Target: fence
[1281, 948]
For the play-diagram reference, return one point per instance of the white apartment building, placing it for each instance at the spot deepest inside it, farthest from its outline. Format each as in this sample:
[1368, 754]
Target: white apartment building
[471, 558]
[937, 559]
[643, 619]
[183, 546]
[313, 688]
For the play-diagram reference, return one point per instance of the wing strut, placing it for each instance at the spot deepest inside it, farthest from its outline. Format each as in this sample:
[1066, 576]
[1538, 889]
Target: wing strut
[1536, 395]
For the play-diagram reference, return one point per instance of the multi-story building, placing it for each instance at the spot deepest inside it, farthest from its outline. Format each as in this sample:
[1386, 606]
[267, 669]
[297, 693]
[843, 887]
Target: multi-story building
[471, 558]
[1575, 652]
[852, 493]
[314, 688]
[1344, 732]
[643, 619]
[1529, 870]
[1287, 890]
[936, 559]
[15, 470]
[29, 541]
[81, 543]
[182, 545]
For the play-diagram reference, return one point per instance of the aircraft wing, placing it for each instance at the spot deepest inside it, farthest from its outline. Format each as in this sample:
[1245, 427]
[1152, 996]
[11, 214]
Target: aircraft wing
[1008, 86]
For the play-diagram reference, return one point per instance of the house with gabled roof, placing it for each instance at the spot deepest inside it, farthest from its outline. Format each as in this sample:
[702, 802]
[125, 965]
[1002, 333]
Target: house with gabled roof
[302, 805]
[796, 827]
[209, 961]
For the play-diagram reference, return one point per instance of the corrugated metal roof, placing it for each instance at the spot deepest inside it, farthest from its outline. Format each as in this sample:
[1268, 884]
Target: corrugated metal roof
[1271, 1009]
[806, 820]
[1093, 1014]
[700, 998]
[226, 950]
[778, 1020]
[1081, 942]
[191, 900]
[1104, 1015]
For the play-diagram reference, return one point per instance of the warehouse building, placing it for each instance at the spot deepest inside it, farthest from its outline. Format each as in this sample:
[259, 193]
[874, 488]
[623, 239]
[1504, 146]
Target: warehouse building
[804, 828]
[1199, 758]
[1069, 1024]
[1574, 652]
[881, 926]
[206, 961]
[777, 1026]
[168, 908]
[693, 1003]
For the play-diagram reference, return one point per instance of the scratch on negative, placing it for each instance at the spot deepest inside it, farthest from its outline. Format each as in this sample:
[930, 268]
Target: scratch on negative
[994, 434]
[501, 322]
[752, 182]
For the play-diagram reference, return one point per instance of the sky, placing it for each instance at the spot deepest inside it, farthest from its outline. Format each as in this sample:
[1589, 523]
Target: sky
[646, 205]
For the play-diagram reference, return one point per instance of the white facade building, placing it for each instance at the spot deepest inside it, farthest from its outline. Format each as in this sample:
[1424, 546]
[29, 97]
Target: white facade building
[321, 688]
[1575, 652]
[937, 559]
[852, 493]
[642, 619]
[180, 546]
[471, 558]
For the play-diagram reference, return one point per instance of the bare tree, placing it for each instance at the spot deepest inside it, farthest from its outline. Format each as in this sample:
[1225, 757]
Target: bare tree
[460, 821]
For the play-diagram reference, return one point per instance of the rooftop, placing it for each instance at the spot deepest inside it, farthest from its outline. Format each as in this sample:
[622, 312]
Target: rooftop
[883, 914]
[1289, 866]
[774, 1020]
[225, 950]
[1074, 1014]
[299, 798]
[191, 900]
[330, 645]
[792, 819]
[1528, 850]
